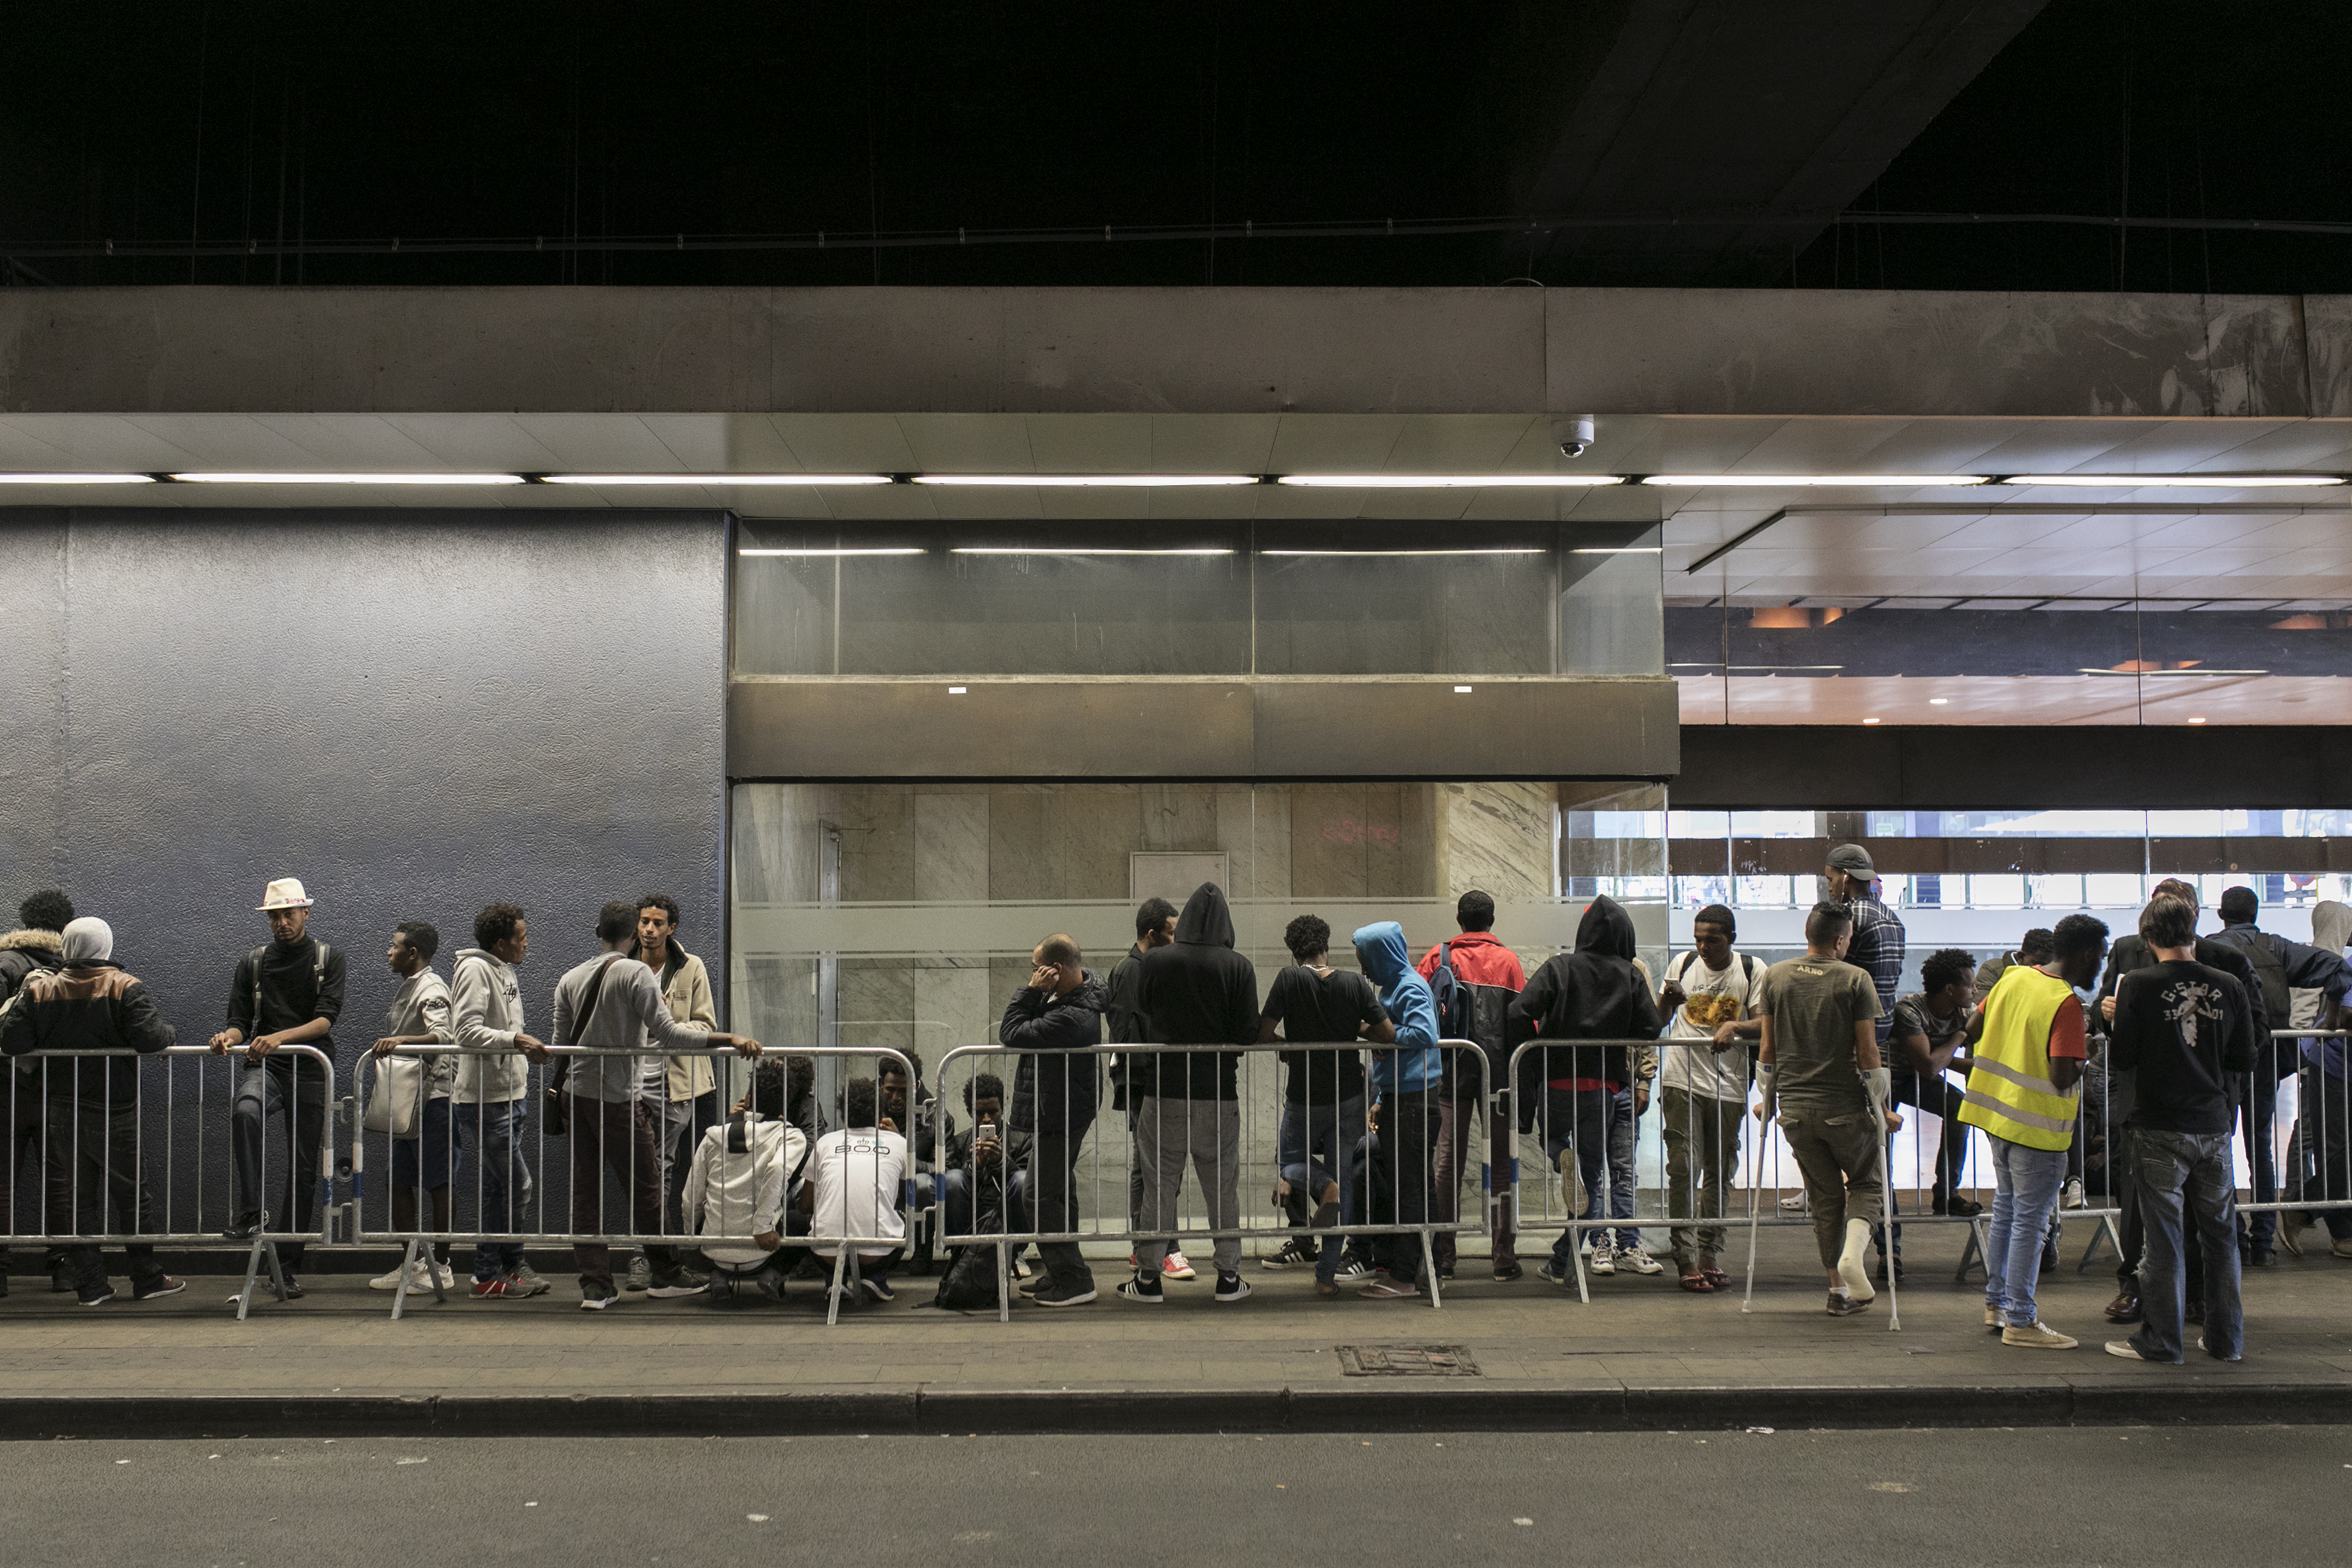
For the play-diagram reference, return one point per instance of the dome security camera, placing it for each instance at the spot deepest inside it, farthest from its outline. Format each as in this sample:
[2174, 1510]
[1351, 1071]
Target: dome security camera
[1574, 435]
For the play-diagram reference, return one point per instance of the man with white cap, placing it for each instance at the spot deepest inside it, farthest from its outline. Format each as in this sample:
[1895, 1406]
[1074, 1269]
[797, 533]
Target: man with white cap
[92, 1107]
[288, 991]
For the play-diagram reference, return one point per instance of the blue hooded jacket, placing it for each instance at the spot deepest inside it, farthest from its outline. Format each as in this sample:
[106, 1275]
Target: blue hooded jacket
[1380, 948]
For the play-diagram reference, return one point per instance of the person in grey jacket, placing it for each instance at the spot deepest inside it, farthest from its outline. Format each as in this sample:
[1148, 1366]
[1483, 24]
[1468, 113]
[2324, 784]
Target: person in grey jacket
[487, 1102]
[419, 1016]
[613, 1004]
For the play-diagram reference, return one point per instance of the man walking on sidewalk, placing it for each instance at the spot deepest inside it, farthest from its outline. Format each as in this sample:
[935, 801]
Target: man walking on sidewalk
[2184, 1031]
[614, 1005]
[1822, 1080]
[287, 991]
[2025, 1074]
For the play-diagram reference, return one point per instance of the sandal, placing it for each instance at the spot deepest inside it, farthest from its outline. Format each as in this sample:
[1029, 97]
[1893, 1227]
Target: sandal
[1715, 1278]
[1697, 1282]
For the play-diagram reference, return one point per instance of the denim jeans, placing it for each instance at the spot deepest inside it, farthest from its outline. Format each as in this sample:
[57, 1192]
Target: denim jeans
[2323, 1170]
[2262, 1151]
[1579, 1119]
[501, 1180]
[296, 1089]
[1315, 1145]
[2189, 1172]
[1622, 1126]
[955, 1196]
[2024, 1201]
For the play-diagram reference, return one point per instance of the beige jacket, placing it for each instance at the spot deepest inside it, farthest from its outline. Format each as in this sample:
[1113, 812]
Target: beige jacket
[686, 987]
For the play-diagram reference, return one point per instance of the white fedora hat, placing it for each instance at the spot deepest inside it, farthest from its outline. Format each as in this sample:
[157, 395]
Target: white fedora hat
[285, 893]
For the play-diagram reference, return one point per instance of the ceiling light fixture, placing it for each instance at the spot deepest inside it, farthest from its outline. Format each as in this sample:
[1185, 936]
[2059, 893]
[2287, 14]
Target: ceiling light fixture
[1048, 550]
[410, 479]
[1051, 481]
[875, 549]
[1452, 482]
[2198, 719]
[718, 480]
[1536, 550]
[1617, 550]
[76, 479]
[2178, 481]
[1870, 721]
[1937, 702]
[1799, 482]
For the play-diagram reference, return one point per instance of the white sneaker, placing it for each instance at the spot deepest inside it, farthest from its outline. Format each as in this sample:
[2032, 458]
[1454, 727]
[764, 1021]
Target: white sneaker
[1173, 1266]
[1795, 1203]
[420, 1278]
[1637, 1258]
[2073, 1198]
[1603, 1260]
[448, 1276]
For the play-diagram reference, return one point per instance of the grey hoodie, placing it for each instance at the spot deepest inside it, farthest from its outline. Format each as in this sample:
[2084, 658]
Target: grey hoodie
[486, 1013]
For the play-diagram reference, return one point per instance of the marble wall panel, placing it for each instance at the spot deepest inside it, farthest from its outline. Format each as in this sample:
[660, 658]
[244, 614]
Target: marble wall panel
[952, 1006]
[951, 846]
[1356, 840]
[1100, 826]
[877, 1004]
[1499, 838]
[877, 840]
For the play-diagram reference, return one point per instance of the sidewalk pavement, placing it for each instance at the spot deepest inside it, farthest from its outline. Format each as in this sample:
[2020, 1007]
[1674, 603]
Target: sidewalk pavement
[1642, 1355]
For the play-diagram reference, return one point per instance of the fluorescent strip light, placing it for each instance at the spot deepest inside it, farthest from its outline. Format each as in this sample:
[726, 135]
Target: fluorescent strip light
[1452, 482]
[2179, 481]
[1799, 482]
[349, 479]
[1048, 550]
[1618, 550]
[1382, 552]
[718, 479]
[76, 479]
[1052, 482]
[891, 550]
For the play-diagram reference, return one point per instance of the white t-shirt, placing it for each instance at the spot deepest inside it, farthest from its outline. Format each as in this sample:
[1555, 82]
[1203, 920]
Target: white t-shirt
[859, 1177]
[1716, 997]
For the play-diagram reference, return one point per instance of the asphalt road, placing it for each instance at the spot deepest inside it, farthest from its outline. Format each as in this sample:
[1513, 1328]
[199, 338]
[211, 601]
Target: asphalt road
[2272, 1496]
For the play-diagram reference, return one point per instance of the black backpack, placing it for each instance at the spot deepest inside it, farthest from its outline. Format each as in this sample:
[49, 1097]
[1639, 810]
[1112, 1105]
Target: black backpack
[2278, 996]
[1468, 1012]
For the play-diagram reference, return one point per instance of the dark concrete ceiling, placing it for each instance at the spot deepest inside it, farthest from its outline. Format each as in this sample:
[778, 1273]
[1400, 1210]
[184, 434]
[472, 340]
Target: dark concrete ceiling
[1780, 110]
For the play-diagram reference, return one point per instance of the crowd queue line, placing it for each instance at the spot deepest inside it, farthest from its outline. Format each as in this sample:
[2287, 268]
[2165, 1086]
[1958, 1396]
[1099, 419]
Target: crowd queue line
[1369, 1169]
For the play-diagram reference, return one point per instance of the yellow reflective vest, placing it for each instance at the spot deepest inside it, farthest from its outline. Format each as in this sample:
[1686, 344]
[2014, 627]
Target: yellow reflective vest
[2010, 1094]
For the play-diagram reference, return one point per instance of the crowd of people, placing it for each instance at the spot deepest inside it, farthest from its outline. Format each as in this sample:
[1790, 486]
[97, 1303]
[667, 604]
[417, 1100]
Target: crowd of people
[2168, 1038]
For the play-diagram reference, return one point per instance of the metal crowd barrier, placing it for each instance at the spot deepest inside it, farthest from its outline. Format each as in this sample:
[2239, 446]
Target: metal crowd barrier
[1341, 1140]
[100, 1142]
[640, 1206]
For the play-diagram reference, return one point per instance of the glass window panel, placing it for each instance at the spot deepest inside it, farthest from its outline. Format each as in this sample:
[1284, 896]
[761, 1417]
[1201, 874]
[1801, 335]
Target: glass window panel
[784, 604]
[1404, 598]
[1611, 599]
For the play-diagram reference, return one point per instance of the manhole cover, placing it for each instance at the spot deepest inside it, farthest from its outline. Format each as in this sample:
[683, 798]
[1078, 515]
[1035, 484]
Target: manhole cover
[1406, 1361]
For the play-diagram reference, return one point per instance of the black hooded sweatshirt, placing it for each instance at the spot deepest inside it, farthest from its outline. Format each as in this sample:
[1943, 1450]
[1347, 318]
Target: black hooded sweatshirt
[1196, 991]
[1592, 993]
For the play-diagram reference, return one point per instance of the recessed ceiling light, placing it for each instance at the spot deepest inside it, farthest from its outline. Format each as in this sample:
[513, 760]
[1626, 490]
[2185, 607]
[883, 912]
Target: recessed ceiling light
[1049, 550]
[1460, 689]
[1870, 721]
[2179, 481]
[1051, 481]
[340, 479]
[2198, 719]
[1784, 481]
[718, 479]
[1937, 702]
[77, 479]
[862, 550]
[1453, 481]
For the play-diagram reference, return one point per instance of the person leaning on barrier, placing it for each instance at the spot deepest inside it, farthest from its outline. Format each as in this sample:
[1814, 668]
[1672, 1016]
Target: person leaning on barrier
[2026, 1050]
[492, 1087]
[1197, 991]
[1473, 1004]
[91, 1111]
[1930, 1026]
[1711, 997]
[2281, 967]
[2321, 1166]
[1155, 926]
[287, 991]
[419, 1016]
[2129, 955]
[2036, 946]
[1594, 992]
[1054, 1021]
[1319, 1143]
[1410, 1080]
[745, 1175]
[687, 1102]
[614, 1005]
[859, 1180]
[2184, 1032]
[36, 944]
[1822, 1077]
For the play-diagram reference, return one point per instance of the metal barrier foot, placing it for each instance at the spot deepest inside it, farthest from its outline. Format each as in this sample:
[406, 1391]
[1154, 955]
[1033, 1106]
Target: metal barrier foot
[2106, 1232]
[1429, 1270]
[262, 1246]
[1003, 1282]
[1576, 1256]
[834, 1292]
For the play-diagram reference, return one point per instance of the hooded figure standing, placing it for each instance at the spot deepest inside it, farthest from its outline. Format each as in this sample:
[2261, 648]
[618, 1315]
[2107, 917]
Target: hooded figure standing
[91, 1003]
[1197, 991]
[1593, 993]
[1410, 1082]
[2319, 1161]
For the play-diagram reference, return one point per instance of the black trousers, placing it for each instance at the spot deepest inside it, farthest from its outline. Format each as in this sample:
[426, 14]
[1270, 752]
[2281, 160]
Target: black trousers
[1402, 1176]
[93, 1160]
[1054, 1198]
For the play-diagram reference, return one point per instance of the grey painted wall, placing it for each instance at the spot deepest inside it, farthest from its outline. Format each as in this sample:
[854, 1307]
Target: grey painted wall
[416, 713]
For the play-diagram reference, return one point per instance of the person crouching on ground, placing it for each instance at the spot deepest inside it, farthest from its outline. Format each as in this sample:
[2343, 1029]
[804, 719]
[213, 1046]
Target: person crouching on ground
[1819, 1070]
[742, 1184]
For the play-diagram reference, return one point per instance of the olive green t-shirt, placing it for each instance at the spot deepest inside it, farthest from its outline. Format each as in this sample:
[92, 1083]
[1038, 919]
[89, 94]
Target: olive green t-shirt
[1814, 1003]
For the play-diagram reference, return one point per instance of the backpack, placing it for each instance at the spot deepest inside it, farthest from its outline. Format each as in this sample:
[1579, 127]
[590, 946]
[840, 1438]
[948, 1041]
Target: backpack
[1468, 1012]
[1683, 961]
[2278, 997]
[969, 1283]
[319, 950]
